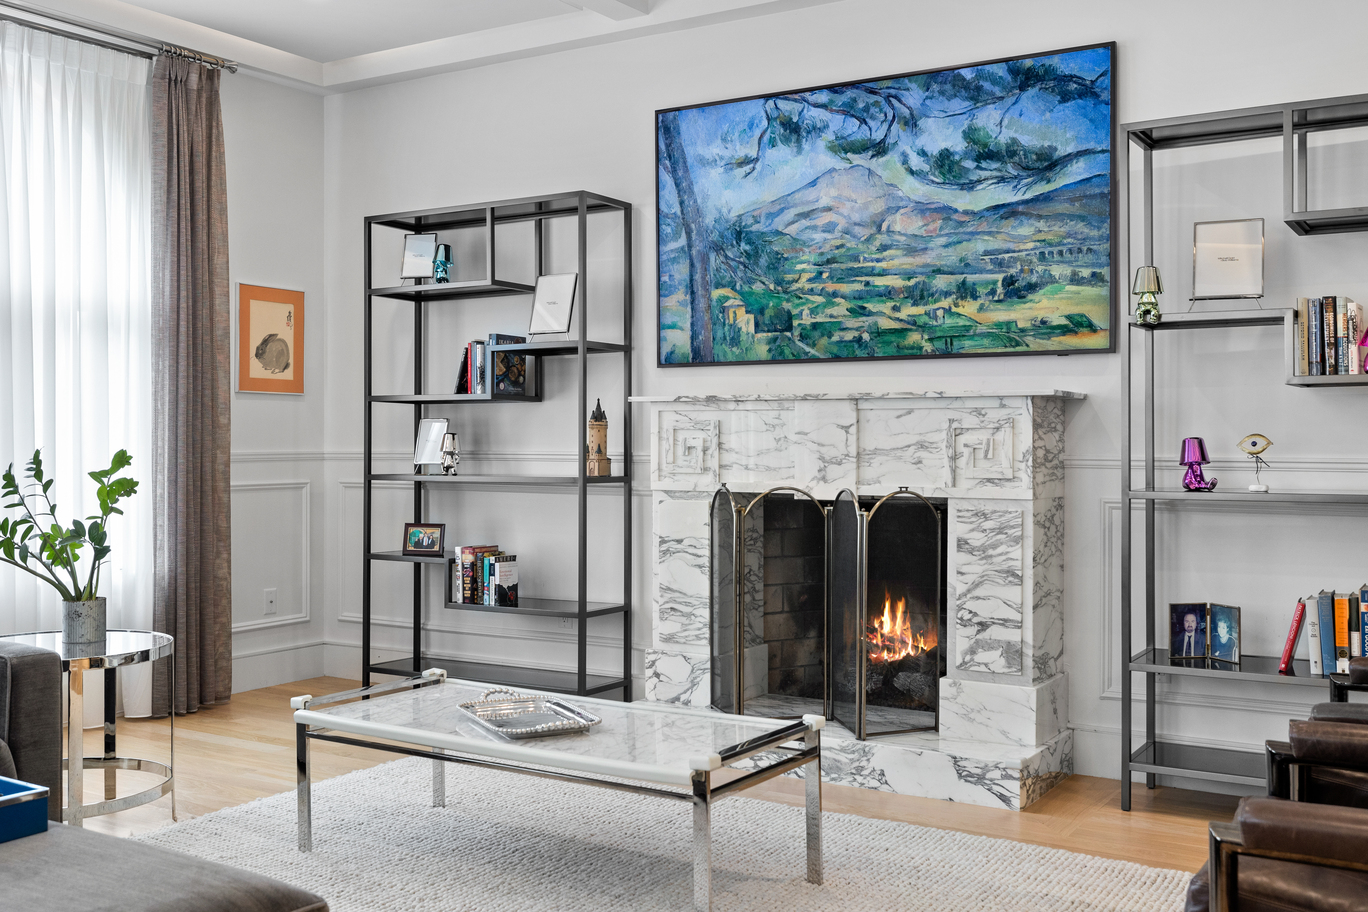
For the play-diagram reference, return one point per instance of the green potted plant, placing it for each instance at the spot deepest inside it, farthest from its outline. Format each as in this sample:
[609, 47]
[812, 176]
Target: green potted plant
[36, 543]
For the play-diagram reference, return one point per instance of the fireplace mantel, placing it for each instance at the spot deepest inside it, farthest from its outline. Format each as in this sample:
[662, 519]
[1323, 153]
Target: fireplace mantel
[997, 458]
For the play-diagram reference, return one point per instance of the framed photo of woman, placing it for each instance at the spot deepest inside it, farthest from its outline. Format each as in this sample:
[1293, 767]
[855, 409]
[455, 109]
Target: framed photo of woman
[1224, 630]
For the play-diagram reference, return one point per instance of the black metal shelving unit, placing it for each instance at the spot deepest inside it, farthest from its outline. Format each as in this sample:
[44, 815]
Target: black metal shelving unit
[578, 205]
[1292, 122]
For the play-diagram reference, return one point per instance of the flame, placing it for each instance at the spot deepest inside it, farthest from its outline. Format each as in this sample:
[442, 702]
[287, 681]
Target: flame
[890, 637]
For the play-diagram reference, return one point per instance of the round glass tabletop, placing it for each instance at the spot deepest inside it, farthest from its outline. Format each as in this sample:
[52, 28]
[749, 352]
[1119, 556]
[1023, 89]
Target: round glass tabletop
[120, 647]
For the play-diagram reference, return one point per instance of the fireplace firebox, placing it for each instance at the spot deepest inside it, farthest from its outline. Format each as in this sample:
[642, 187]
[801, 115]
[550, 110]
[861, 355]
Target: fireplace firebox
[835, 607]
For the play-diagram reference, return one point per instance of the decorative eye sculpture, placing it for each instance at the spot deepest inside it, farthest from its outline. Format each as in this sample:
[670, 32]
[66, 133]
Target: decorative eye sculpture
[1255, 445]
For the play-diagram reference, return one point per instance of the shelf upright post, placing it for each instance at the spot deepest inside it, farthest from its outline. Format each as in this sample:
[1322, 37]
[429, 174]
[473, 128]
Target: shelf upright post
[1126, 431]
[366, 463]
[418, 348]
[1151, 681]
[627, 453]
[583, 474]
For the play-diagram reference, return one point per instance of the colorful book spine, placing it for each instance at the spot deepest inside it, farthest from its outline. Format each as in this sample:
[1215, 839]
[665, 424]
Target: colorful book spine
[1363, 619]
[1342, 338]
[1325, 613]
[1314, 654]
[1303, 343]
[1341, 633]
[1329, 305]
[1354, 362]
[470, 558]
[1314, 324]
[505, 581]
[1293, 636]
[1355, 632]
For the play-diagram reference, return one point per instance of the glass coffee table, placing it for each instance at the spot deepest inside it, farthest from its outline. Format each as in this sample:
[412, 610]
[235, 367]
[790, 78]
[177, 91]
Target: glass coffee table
[119, 649]
[663, 751]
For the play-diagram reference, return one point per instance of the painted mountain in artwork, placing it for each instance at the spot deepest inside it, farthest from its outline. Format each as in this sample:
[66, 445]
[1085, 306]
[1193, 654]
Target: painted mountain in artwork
[849, 202]
[854, 203]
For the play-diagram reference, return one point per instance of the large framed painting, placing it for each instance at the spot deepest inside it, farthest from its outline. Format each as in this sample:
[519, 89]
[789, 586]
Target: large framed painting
[947, 213]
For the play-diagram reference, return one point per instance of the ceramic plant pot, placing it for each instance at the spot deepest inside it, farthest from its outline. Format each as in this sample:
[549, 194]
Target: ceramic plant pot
[83, 622]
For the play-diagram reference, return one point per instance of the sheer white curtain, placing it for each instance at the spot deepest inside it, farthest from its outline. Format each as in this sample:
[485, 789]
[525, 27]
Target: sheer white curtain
[75, 307]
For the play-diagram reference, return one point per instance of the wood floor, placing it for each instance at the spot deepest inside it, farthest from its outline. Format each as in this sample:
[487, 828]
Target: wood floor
[231, 754]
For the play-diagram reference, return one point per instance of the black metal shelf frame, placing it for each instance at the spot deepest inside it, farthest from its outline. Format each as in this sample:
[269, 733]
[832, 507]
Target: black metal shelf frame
[576, 205]
[1293, 122]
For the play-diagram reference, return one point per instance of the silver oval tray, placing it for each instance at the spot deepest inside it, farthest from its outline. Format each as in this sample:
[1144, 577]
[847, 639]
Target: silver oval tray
[517, 716]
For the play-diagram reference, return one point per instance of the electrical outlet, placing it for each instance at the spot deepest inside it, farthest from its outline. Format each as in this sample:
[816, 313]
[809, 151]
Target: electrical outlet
[268, 601]
[568, 623]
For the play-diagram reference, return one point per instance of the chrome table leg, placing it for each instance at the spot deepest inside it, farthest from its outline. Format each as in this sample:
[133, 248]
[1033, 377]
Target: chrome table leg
[702, 840]
[812, 776]
[302, 787]
[438, 781]
[111, 684]
[75, 749]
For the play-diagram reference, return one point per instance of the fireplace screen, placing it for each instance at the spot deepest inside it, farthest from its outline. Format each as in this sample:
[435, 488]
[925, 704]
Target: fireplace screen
[886, 630]
[835, 608]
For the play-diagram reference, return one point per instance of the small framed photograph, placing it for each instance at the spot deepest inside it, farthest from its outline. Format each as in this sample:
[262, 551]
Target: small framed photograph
[1223, 622]
[419, 252]
[553, 303]
[270, 340]
[424, 539]
[1187, 631]
[1228, 259]
[427, 447]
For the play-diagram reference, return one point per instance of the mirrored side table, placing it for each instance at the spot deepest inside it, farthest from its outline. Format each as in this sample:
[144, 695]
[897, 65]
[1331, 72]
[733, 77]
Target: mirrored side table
[120, 648]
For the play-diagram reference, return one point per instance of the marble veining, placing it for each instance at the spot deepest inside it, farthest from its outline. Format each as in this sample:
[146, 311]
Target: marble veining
[988, 589]
[675, 677]
[1051, 765]
[682, 571]
[1047, 599]
[824, 444]
[1048, 420]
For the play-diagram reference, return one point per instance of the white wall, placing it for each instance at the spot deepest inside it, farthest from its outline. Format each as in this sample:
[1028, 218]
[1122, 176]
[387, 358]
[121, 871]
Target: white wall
[584, 118]
[274, 148]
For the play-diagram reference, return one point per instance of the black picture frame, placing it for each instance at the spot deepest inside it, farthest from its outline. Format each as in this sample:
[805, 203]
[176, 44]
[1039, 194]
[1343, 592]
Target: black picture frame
[424, 546]
[1115, 280]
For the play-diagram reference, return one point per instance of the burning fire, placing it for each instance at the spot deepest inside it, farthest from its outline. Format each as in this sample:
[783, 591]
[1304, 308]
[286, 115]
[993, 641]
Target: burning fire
[890, 637]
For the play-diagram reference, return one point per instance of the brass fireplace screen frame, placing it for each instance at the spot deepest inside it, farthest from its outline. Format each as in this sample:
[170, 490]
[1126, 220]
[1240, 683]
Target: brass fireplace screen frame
[735, 515]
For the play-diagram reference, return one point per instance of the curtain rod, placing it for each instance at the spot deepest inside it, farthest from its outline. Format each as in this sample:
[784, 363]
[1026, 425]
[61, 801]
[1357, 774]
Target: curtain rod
[33, 16]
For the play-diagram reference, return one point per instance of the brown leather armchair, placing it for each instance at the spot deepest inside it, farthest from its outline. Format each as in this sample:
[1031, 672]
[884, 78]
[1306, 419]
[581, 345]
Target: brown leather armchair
[1279, 856]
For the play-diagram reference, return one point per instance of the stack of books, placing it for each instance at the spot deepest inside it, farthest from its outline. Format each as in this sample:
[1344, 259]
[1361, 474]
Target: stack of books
[1330, 332]
[483, 370]
[487, 576]
[1336, 630]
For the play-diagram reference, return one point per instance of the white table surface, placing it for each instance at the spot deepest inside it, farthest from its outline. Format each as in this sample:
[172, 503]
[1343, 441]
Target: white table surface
[653, 742]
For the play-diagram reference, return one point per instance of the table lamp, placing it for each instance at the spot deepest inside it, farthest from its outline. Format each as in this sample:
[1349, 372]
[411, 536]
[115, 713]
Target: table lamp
[1194, 457]
[1147, 285]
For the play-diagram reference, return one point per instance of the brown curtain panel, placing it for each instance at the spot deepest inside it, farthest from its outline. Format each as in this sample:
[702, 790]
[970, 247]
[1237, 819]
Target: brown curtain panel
[191, 378]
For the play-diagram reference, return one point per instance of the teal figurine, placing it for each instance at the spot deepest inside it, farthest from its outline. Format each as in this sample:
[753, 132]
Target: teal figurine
[441, 265]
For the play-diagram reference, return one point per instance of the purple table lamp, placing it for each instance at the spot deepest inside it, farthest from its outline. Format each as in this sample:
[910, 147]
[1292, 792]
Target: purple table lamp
[1194, 457]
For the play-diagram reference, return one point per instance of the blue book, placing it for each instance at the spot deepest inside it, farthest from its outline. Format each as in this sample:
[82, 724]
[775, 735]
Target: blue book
[1363, 619]
[1325, 614]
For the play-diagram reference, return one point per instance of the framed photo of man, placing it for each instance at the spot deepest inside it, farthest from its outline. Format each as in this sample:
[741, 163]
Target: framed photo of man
[1187, 630]
[1223, 625]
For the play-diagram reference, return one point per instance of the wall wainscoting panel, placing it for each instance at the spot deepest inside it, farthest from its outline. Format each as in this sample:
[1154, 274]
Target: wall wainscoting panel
[272, 549]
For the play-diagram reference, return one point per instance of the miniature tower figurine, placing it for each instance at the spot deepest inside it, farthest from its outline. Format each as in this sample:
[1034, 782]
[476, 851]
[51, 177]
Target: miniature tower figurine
[596, 458]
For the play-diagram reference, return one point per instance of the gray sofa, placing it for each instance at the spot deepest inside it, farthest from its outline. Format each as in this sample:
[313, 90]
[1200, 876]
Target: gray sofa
[31, 719]
[69, 868]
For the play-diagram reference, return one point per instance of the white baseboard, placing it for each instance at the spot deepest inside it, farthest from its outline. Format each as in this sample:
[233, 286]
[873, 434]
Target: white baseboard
[277, 665]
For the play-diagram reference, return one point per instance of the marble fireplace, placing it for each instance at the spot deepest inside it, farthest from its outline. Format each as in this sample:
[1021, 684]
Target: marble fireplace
[996, 462]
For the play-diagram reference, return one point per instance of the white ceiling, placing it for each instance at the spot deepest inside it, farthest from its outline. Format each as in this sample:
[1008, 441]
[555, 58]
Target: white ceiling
[328, 30]
[329, 46]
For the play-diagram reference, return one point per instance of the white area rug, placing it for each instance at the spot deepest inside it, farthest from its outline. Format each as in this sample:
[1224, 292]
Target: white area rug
[510, 842]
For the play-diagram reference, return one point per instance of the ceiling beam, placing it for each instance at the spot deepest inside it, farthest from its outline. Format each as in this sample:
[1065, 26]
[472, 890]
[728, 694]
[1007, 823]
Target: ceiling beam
[616, 9]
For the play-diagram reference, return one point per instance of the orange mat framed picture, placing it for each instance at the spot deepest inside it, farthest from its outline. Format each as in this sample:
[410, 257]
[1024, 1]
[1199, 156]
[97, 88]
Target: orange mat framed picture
[270, 340]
